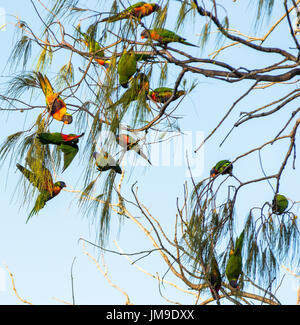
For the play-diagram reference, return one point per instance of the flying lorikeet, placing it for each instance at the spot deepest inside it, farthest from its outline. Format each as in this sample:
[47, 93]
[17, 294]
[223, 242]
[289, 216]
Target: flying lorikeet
[139, 86]
[55, 105]
[129, 143]
[43, 182]
[279, 204]
[164, 36]
[234, 265]
[215, 278]
[138, 10]
[222, 167]
[67, 143]
[163, 94]
[94, 47]
[104, 161]
[127, 67]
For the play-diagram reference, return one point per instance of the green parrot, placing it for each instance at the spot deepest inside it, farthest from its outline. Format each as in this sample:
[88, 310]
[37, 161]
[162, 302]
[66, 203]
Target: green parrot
[127, 67]
[279, 204]
[41, 178]
[94, 47]
[164, 36]
[129, 143]
[163, 94]
[215, 278]
[138, 10]
[234, 265]
[139, 86]
[67, 143]
[104, 161]
[222, 167]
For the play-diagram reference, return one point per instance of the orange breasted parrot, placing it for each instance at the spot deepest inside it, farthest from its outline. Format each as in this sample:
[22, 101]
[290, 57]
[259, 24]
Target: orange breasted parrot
[94, 47]
[104, 161]
[41, 178]
[279, 204]
[163, 94]
[234, 265]
[138, 10]
[222, 167]
[164, 36]
[215, 278]
[129, 143]
[67, 143]
[127, 67]
[139, 86]
[55, 105]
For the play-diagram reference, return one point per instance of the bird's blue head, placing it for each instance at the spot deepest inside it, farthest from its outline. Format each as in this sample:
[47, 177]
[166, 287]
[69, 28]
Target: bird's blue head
[60, 184]
[234, 284]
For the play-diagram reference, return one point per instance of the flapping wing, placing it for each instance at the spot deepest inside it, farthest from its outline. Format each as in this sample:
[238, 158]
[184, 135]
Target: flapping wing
[70, 150]
[39, 176]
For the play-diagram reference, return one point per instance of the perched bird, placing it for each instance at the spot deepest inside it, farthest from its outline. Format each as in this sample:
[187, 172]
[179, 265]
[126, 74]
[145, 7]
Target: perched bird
[104, 161]
[41, 178]
[94, 48]
[55, 105]
[67, 143]
[222, 167]
[139, 87]
[129, 143]
[163, 94]
[279, 204]
[138, 10]
[164, 36]
[234, 265]
[215, 278]
[127, 67]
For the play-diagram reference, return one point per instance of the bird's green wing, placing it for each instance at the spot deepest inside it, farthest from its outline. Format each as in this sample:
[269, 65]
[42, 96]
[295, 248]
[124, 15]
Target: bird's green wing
[127, 67]
[29, 175]
[279, 204]
[239, 244]
[39, 175]
[70, 150]
[40, 202]
[50, 138]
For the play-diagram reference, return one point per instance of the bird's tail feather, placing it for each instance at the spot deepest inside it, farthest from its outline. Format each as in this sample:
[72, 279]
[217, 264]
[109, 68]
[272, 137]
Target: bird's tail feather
[189, 44]
[45, 84]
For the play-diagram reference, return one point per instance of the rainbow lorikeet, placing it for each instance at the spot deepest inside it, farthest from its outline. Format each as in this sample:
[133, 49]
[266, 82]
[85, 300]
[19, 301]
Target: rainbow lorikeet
[94, 47]
[138, 10]
[215, 278]
[127, 67]
[234, 265]
[139, 86]
[164, 36]
[222, 167]
[41, 178]
[279, 204]
[55, 105]
[163, 94]
[67, 143]
[104, 161]
[129, 143]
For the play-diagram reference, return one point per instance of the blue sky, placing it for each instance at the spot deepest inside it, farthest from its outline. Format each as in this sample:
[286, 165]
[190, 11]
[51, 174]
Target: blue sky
[40, 253]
